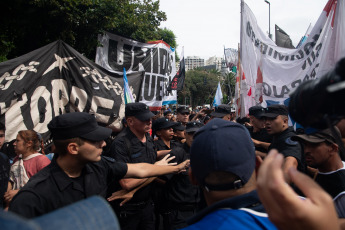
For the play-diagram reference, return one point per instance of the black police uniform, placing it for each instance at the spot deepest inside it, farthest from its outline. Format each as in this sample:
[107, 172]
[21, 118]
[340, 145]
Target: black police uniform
[4, 176]
[283, 143]
[139, 210]
[182, 197]
[262, 135]
[51, 188]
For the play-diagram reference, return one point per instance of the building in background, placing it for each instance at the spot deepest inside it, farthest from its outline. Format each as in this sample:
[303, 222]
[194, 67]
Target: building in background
[215, 61]
[194, 62]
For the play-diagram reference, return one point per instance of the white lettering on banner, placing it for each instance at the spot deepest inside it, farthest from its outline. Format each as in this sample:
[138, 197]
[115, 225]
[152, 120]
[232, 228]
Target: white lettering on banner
[14, 120]
[100, 102]
[78, 99]
[17, 74]
[274, 72]
[41, 115]
[157, 60]
[59, 96]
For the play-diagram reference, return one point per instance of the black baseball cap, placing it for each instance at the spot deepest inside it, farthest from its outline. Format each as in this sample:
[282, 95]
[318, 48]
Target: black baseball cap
[179, 127]
[138, 110]
[273, 111]
[83, 125]
[221, 111]
[222, 146]
[318, 137]
[163, 123]
[193, 126]
[256, 111]
[182, 109]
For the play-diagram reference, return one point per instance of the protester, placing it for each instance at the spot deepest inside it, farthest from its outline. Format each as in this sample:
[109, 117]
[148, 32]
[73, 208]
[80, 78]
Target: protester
[223, 164]
[27, 163]
[322, 153]
[168, 114]
[260, 137]
[78, 171]
[277, 125]
[4, 168]
[284, 207]
[182, 115]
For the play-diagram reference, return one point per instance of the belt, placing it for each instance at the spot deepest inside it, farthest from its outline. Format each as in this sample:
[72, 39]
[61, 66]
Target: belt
[134, 206]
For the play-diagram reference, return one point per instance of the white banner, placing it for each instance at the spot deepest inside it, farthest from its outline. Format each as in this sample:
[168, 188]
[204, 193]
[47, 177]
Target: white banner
[157, 59]
[271, 73]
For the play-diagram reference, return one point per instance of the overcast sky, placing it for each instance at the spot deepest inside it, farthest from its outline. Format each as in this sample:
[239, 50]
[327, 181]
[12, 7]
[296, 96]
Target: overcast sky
[204, 27]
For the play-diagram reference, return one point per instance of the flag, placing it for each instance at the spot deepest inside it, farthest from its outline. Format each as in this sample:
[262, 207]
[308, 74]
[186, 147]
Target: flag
[273, 72]
[283, 39]
[305, 37]
[218, 97]
[127, 93]
[178, 80]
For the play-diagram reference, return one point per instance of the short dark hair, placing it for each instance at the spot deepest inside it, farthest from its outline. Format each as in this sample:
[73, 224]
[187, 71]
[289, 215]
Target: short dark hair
[61, 145]
[2, 127]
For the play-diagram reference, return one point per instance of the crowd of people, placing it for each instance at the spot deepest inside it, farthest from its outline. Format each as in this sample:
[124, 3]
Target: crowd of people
[189, 168]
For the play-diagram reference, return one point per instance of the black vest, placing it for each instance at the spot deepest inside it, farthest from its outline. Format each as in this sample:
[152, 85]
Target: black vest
[333, 183]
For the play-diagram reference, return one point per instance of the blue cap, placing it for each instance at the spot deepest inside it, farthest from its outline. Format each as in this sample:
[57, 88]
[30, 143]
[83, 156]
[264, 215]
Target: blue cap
[222, 146]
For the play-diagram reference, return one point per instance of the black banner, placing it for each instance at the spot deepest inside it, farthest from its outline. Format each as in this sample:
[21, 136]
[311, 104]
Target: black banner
[54, 80]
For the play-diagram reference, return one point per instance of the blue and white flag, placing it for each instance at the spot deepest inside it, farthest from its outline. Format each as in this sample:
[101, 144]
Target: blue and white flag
[219, 96]
[127, 93]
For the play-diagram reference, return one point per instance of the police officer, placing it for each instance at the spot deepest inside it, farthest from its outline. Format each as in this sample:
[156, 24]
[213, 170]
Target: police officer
[163, 128]
[222, 111]
[78, 171]
[183, 115]
[136, 146]
[277, 125]
[260, 137]
[181, 195]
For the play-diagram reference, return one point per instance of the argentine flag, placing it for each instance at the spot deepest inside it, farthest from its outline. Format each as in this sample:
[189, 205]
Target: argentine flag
[219, 96]
[126, 91]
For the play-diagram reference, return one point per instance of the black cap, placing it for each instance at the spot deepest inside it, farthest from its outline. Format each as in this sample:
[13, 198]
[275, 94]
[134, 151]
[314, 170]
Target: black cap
[256, 111]
[138, 110]
[179, 127]
[193, 126]
[163, 123]
[221, 111]
[182, 109]
[273, 111]
[318, 137]
[83, 125]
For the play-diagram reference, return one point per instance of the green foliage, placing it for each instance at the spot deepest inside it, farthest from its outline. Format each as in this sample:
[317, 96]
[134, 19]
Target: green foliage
[200, 87]
[29, 24]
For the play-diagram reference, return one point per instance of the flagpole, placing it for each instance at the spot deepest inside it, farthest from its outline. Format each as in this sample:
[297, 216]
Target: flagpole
[239, 62]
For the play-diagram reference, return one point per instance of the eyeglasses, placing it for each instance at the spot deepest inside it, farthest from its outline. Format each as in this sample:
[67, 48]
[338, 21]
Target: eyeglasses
[185, 113]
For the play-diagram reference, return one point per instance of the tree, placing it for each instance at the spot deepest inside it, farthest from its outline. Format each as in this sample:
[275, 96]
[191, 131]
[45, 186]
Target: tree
[29, 24]
[200, 87]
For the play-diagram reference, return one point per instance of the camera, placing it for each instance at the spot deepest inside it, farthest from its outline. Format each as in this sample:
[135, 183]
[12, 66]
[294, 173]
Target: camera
[315, 102]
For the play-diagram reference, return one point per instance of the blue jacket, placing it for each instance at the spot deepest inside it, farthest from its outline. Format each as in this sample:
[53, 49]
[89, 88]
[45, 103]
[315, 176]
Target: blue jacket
[240, 212]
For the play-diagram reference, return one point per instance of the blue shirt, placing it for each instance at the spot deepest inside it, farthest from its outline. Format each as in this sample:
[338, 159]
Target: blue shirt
[240, 212]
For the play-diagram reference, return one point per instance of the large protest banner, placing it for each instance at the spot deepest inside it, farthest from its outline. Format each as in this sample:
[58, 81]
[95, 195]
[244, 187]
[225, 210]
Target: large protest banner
[157, 59]
[270, 73]
[54, 80]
